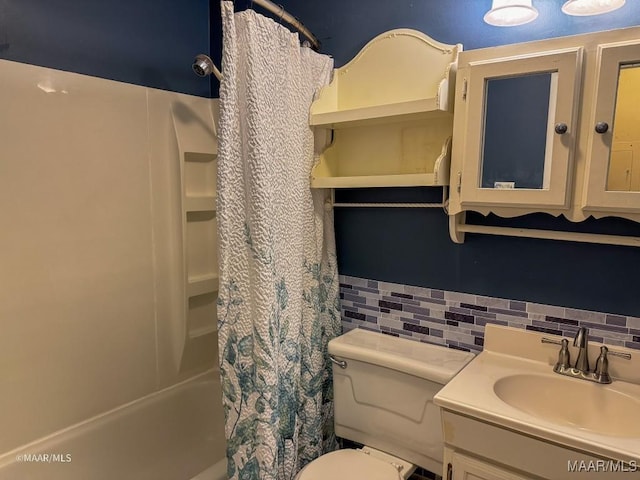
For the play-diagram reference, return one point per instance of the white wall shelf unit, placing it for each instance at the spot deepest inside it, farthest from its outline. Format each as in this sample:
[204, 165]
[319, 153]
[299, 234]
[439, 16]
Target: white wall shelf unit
[390, 109]
[381, 114]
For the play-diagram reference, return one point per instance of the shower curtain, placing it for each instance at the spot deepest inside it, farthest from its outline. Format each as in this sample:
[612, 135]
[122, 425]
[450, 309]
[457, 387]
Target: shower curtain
[278, 301]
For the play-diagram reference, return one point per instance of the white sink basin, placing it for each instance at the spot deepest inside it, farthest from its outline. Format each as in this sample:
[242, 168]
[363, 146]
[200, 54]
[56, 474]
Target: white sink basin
[572, 402]
[511, 384]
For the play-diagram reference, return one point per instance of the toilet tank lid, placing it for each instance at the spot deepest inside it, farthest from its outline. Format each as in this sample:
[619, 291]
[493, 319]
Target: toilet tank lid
[432, 362]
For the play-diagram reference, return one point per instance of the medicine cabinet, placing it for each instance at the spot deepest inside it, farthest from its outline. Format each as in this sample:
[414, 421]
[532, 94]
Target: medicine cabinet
[550, 126]
[390, 112]
[613, 148]
[522, 138]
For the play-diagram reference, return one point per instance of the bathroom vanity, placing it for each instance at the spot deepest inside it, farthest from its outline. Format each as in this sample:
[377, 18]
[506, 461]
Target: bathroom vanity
[507, 415]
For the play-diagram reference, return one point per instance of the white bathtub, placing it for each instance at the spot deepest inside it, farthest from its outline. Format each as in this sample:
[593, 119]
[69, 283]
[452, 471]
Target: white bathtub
[175, 434]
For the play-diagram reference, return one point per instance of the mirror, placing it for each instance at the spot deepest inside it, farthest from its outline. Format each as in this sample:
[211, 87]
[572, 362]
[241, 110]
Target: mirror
[624, 162]
[518, 131]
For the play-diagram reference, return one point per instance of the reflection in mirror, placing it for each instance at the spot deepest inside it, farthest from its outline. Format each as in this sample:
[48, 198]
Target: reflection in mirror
[518, 129]
[624, 163]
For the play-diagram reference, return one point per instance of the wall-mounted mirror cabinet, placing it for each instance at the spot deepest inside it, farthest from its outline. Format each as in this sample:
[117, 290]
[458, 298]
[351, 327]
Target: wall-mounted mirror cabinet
[550, 126]
[613, 174]
[519, 130]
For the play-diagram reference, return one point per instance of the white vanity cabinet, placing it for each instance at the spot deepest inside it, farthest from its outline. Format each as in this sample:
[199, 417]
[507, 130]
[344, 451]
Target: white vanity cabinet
[550, 126]
[507, 415]
[477, 450]
[469, 468]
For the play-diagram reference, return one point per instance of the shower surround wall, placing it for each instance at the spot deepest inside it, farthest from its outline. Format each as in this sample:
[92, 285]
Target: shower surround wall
[91, 271]
[134, 41]
[457, 320]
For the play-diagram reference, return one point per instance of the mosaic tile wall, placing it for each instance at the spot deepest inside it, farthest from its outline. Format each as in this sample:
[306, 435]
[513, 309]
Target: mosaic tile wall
[457, 320]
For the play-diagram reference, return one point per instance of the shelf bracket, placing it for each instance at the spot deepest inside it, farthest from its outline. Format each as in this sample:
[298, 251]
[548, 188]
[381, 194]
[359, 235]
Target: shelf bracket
[458, 227]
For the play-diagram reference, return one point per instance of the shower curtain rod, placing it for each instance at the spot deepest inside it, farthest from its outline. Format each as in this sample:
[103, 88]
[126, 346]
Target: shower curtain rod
[290, 19]
[203, 65]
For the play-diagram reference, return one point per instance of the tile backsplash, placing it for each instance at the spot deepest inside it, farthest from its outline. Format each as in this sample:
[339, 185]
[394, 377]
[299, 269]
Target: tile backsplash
[457, 320]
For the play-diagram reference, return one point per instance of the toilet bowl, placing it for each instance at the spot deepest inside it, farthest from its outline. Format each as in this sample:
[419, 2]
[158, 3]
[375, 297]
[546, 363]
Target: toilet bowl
[359, 464]
[383, 399]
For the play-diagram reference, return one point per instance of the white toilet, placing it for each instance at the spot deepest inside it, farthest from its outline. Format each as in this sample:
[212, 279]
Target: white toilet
[383, 391]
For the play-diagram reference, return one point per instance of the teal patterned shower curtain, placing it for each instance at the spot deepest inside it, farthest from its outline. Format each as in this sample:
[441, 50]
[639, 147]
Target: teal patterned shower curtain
[278, 303]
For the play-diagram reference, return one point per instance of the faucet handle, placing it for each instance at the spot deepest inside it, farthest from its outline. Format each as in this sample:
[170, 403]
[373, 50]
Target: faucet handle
[602, 366]
[553, 341]
[563, 355]
[626, 356]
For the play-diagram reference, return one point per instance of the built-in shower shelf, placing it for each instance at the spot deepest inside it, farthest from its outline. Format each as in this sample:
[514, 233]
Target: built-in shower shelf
[391, 111]
[201, 332]
[205, 203]
[202, 284]
[198, 149]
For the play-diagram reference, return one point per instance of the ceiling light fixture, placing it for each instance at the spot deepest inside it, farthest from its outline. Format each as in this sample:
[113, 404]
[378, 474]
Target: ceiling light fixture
[509, 13]
[591, 7]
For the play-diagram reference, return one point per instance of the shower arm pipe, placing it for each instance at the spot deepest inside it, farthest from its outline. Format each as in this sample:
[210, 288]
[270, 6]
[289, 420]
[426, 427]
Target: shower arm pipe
[216, 72]
[290, 19]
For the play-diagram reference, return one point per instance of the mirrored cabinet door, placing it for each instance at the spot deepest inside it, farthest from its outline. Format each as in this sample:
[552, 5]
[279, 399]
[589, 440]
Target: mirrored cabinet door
[613, 151]
[520, 130]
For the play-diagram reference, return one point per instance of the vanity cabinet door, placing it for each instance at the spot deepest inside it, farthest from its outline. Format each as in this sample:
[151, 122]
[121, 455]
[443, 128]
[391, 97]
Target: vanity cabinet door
[613, 149]
[468, 468]
[519, 129]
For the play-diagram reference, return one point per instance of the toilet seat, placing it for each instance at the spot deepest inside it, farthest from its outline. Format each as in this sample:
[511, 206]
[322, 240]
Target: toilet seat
[351, 464]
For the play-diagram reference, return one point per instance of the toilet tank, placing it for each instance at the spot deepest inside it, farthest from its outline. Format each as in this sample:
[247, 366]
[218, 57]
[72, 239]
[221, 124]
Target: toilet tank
[384, 396]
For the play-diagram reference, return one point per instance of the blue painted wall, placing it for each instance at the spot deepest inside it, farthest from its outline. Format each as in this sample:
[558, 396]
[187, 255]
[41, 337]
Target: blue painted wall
[152, 42]
[345, 26]
[145, 42]
[412, 246]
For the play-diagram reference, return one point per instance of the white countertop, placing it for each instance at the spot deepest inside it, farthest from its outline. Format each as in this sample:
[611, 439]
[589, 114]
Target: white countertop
[509, 351]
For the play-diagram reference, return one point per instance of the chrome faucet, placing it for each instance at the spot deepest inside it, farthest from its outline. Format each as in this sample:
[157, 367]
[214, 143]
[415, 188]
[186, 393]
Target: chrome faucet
[581, 367]
[581, 340]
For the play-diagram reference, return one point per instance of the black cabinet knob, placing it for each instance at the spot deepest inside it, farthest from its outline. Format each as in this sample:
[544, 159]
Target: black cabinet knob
[561, 128]
[602, 127]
